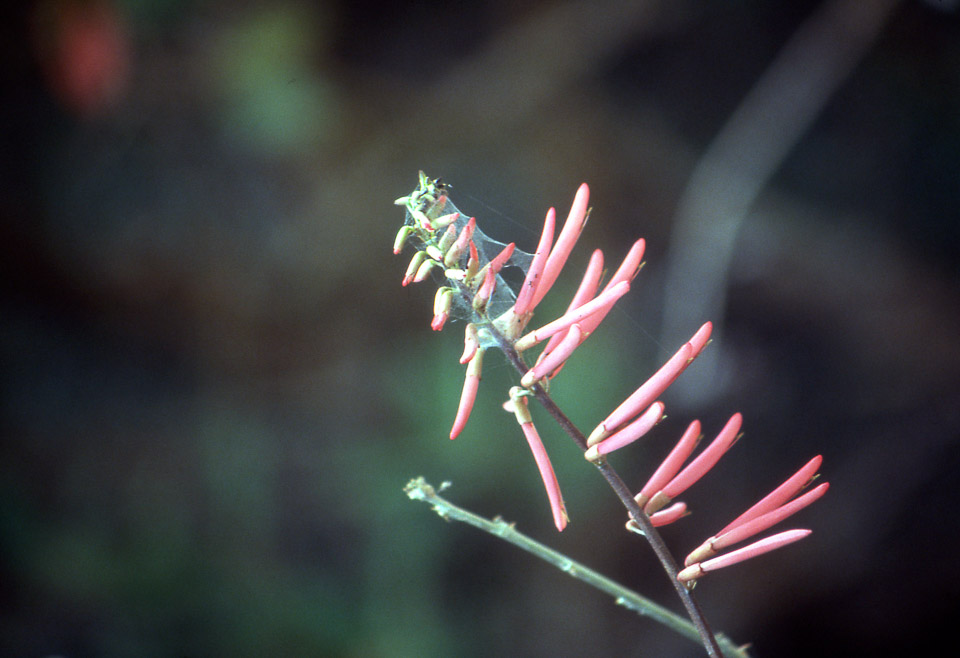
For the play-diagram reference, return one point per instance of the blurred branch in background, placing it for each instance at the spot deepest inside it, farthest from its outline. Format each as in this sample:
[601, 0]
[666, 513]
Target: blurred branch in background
[740, 161]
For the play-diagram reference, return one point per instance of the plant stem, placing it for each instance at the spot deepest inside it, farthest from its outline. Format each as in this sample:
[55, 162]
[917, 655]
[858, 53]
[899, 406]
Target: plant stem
[420, 489]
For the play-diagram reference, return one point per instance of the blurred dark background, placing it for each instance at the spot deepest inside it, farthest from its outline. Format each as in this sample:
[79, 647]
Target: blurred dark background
[213, 387]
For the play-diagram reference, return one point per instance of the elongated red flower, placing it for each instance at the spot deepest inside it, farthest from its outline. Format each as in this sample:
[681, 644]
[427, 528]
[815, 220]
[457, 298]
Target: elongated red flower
[773, 508]
[628, 434]
[469, 395]
[600, 302]
[696, 469]
[654, 387]
[518, 404]
[695, 571]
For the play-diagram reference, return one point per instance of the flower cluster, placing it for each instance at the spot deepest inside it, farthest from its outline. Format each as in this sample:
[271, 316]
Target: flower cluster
[474, 290]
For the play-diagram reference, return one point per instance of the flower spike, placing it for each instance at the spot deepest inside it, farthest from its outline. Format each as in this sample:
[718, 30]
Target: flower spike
[518, 403]
[448, 242]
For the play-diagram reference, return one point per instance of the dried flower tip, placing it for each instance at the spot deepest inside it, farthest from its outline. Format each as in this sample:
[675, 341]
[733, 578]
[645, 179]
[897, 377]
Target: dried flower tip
[550, 483]
[755, 526]
[670, 466]
[653, 388]
[706, 459]
[524, 301]
[452, 258]
[780, 495]
[424, 270]
[401, 239]
[697, 570]
[470, 385]
[471, 342]
[445, 220]
[601, 302]
[628, 434]
[482, 297]
[412, 268]
[555, 359]
[576, 220]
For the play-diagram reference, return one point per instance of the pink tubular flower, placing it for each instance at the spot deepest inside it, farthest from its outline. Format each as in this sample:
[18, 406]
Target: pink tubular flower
[643, 424]
[695, 571]
[519, 406]
[601, 302]
[627, 271]
[780, 495]
[555, 359]
[533, 279]
[651, 389]
[698, 467]
[470, 385]
[576, 220]
[772, 509]
[668, 515]
[585, 292]
[670, 466]
[659, 519]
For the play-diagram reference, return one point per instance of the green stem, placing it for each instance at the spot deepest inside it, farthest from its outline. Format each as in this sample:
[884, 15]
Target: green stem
[420, 489]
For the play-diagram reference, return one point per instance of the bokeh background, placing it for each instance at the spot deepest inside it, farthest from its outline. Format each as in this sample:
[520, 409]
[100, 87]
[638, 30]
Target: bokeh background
[213, 387]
